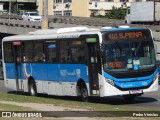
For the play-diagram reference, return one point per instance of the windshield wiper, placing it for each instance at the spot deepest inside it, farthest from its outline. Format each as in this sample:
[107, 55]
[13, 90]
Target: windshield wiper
[117, 44]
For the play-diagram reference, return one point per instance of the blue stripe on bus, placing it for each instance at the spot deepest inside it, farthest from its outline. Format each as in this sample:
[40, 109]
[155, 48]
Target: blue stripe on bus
[131, 82]
[50, 72]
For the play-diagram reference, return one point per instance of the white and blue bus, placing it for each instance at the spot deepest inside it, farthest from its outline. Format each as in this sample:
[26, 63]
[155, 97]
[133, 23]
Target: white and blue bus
[81, 61]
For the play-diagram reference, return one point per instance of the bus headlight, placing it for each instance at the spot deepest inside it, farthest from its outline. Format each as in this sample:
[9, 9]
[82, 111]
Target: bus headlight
[155, 77]
[109, 81]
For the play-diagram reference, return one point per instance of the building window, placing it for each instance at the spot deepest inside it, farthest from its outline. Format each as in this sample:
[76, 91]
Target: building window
[139, 0]
[95, 0]
[57, 13]
[109, 0]
[67, 13]
[57, 1]
[67, 1]
[123, 0]
[94, 13]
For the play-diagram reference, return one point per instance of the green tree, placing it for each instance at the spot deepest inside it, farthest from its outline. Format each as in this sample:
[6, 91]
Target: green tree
[115, 13]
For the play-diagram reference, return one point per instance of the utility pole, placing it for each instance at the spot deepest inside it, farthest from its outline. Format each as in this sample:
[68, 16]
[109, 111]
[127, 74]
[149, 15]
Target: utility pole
[45, 15]
[9, 7]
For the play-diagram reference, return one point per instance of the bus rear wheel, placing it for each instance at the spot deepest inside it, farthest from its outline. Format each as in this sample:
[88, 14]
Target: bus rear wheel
[84, 94]
[32, 88]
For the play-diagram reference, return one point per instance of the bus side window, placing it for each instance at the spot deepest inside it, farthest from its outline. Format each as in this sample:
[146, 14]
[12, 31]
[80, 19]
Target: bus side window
[72, 51]
[39, 55]
[52, 52]
[8, 57]
[28, 51]
[77, 54]
[64, 51]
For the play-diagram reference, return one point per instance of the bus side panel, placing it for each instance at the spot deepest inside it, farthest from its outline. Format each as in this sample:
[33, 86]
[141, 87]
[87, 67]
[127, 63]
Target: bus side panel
[52, 72]
[11, 76]
[39, 71]
[73, 72]
[69, 74]
[43, 74]
[54, 87]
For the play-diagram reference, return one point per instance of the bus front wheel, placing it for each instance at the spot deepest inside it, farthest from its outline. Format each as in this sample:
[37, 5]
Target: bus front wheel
[32, 88]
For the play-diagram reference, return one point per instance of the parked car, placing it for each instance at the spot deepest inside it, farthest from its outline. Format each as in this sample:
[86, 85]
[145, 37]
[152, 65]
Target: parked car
[31, 16]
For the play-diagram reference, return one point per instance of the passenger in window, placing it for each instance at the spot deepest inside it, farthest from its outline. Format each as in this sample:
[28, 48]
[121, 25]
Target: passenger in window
[63, 57]
[25, 58]
[43, 58]
[40, 57]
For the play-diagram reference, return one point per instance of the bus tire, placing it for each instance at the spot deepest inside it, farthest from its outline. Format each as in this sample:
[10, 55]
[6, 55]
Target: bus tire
[84, 93]
[32, 88]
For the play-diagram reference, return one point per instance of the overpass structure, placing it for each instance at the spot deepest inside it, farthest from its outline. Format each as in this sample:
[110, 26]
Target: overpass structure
[15, 24]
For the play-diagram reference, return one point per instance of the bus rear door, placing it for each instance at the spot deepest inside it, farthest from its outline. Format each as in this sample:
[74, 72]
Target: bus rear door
[17, 63]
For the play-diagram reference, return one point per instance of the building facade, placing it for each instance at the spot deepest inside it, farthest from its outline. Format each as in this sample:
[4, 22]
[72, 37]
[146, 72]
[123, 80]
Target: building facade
[85, 8]
[81, 8]
[18, 6]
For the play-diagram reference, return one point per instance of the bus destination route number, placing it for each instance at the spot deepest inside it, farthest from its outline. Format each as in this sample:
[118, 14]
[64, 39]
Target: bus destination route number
[114, 36]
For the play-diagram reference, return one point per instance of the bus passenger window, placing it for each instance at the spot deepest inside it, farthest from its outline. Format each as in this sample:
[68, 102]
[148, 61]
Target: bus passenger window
[39, 55]
[8, 57]
[62, 57]
[77, 54]
[64, 51]
[28, 51]
[52, 52]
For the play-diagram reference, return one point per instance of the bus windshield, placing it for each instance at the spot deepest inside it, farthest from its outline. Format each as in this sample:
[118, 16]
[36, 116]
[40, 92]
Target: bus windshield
[126, 56]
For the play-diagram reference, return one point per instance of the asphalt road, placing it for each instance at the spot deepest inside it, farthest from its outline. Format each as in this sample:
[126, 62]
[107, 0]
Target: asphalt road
[147, 100]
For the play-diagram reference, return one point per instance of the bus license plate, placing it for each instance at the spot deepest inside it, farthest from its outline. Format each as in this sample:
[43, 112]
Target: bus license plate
[135, 91]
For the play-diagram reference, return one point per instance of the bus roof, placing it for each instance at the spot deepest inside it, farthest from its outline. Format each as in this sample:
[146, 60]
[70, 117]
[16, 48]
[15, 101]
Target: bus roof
[121, 29]
[70, 32]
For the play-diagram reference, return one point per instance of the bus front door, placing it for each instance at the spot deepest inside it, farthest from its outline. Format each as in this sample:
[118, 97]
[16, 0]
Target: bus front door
[17, 64]
[93, 67]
